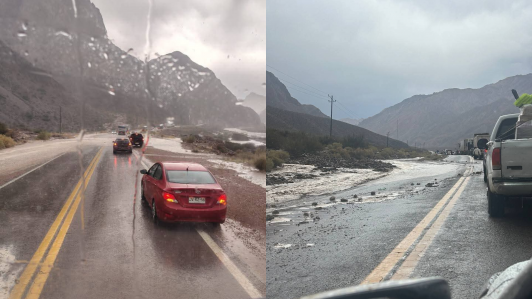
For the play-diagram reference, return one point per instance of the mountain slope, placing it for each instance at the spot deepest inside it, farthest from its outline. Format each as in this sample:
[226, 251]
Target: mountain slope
[442, 118]
[278, 96]
[31, 99]
[255, 101]
[79, 55]
[352, 121]
[285, 120]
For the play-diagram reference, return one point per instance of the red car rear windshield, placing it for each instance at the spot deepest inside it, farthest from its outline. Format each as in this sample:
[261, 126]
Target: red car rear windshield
[189, 177]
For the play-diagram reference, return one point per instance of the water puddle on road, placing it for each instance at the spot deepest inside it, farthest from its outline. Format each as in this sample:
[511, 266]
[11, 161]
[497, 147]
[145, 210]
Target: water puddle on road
[282, 246]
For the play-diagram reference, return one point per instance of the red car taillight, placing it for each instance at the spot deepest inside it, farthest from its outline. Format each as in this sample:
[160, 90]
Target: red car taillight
[222, 200]
[169, 197]
[496, 158]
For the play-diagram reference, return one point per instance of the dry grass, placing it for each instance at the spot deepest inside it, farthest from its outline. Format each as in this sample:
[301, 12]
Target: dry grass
[6, 142]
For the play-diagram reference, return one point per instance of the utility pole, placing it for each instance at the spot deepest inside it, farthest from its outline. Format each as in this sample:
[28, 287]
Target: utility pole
[387, 135]
[332, 101]
[60, 121]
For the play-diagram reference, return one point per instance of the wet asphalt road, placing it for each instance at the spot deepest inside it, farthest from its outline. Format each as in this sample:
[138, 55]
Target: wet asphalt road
[350, 239]
[118, 252]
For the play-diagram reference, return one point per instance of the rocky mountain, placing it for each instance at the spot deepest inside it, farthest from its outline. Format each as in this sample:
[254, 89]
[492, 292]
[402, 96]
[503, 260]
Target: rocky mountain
[439, 120]
[263, 116]
[256, 102]
[71, 45]
[285, 120]
[31, 99]
[352, 121]
[278, 96]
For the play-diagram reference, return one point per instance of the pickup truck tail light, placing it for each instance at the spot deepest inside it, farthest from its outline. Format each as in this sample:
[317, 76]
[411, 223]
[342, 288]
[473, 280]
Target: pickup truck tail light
[496, 158]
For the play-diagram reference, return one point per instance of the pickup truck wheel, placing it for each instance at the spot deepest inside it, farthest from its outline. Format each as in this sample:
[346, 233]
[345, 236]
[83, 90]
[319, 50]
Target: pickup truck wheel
[495, 205]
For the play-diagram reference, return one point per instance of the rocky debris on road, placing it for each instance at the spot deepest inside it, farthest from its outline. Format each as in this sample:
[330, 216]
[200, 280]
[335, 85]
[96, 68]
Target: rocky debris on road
[332, 198]
[269, 217]
[343, 200]
[326, 162]
[275, 179]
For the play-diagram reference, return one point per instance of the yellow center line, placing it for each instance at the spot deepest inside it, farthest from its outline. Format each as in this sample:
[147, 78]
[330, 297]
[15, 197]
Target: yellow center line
[381, 271]
[18, 290]
[44, 272]
[413, 258]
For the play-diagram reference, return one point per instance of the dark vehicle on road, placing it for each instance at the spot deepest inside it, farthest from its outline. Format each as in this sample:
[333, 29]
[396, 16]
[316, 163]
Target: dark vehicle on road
[136, 139]
[182, 191]
[480, 141]
[122, 144]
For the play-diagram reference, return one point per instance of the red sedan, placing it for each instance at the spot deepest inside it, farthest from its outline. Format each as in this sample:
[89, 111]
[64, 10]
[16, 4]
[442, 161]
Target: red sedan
[181, 191]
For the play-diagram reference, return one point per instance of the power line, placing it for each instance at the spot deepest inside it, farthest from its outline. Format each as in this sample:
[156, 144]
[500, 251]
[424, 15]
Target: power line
[291, 87]
[285, 81]
[351, 112]
[296, 79]
[347, 113]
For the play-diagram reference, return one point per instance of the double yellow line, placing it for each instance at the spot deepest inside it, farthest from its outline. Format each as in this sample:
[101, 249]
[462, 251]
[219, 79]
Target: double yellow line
[25, 282]
[401, 251]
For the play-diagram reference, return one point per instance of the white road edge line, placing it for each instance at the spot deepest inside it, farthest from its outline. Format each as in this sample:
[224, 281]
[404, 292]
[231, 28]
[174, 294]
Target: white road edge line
[233, 269]
[21, 176]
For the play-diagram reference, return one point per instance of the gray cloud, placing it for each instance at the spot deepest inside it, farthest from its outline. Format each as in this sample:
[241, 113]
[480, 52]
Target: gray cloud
[226, 36]
[374, 54]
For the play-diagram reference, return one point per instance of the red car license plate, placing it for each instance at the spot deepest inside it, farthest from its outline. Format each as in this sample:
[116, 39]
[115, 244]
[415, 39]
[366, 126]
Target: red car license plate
[196, 200]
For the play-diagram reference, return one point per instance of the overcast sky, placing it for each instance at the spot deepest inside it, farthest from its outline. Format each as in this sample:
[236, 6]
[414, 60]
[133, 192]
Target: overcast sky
[373, 54]
[227, 36]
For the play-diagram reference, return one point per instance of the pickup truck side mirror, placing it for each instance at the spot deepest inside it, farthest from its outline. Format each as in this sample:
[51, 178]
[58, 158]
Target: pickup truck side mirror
[143, 171]
[433, 288]
[489, 143]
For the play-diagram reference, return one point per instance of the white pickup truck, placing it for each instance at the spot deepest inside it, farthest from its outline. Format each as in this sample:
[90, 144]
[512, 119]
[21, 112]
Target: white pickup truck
[508, 165]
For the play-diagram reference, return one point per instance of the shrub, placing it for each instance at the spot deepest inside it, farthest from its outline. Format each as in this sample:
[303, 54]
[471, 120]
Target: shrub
[277, 158]
[43, 135]
[268, 165]
[260, 163]
[6, 142]
[240, 137]
[3, 128]
[190, 139]
[295, 143]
